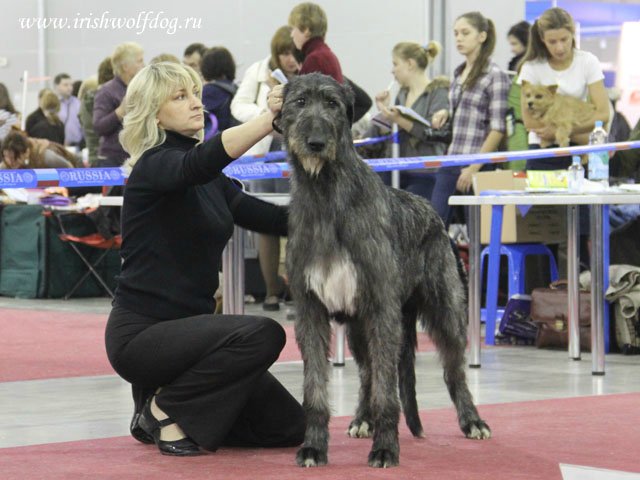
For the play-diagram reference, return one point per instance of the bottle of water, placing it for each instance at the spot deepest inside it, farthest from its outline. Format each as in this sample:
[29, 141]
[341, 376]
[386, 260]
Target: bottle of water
[575, 175]
[599, 161]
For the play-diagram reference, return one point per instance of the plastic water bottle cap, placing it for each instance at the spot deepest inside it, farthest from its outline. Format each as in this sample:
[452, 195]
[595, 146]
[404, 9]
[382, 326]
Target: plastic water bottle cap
[598, 123]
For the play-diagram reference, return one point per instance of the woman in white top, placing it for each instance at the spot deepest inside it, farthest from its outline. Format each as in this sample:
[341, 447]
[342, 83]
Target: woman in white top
[553, 59]
[250, 101]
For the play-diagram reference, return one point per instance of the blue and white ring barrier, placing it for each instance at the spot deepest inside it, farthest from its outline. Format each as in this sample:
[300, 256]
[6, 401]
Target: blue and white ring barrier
[86, 177]
[281, 155]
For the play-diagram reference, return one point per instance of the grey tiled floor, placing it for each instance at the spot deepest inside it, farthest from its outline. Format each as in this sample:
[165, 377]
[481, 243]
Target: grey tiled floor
[66, 409]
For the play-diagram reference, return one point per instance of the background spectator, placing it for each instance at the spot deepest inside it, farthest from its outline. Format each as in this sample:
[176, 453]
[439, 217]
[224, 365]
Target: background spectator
[9, 116]
[309, 27]
[19, 151]
[193, 55]
[87, 97]
[478, 99]
[425, 97]
[249, 102]
[108, 108]
[69, 108]
[219, 72]
[45, 122]
[518, 37]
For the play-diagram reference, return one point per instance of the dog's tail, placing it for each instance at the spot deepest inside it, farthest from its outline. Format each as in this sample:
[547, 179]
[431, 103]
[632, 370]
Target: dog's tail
[462, 271]
[407, 372]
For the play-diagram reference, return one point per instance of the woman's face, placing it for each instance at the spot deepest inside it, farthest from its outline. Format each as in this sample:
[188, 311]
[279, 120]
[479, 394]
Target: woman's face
[559, 43]
[299, 37]
[517, 48]
[468, 39]
[182, 112]
[288, 63]
[402, 70]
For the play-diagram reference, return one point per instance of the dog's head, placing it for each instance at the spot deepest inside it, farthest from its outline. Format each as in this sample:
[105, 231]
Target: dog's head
[316, 116]
[538, 97]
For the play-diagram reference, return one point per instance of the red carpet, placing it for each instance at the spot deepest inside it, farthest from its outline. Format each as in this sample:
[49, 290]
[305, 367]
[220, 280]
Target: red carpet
[38, 344]
[530, 440]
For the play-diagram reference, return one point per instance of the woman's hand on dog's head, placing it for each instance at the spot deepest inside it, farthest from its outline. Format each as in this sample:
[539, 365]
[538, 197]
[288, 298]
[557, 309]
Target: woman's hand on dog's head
[275, 98]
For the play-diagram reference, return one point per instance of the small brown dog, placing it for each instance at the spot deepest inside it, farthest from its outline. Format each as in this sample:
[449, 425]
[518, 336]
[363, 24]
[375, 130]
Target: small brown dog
[560, 111]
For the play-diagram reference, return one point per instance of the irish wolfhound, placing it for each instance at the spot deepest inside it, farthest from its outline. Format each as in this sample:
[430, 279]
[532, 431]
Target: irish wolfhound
[375, 259]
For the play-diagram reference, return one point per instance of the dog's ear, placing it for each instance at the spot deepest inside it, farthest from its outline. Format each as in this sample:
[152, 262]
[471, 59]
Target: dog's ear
[552, 88]
[525, 83]
[349, 100]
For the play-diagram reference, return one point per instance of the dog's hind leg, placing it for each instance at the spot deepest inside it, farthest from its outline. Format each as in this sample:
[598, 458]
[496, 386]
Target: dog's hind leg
[385, 337]
[406, 368]
[445, 315]
[362, 425]
[313, 334]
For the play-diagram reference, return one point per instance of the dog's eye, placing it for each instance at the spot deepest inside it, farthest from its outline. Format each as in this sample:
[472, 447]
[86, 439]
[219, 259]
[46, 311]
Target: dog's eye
[538, 97]
[301, 102]
[332, 103]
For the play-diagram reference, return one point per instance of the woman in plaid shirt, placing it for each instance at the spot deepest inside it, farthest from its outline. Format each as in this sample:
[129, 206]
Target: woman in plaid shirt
[478, 99]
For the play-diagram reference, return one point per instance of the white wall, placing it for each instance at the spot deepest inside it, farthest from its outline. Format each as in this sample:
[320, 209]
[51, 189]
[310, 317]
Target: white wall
[361, 32]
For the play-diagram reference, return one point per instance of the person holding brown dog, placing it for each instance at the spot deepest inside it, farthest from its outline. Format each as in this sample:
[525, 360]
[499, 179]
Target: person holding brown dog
[553, 59]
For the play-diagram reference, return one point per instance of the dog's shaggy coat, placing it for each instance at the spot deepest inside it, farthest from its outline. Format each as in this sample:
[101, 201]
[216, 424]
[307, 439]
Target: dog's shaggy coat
[375, 259]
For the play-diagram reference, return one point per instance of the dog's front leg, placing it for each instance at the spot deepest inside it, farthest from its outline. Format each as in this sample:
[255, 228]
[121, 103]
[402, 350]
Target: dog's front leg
[313, 334]
[385, 346]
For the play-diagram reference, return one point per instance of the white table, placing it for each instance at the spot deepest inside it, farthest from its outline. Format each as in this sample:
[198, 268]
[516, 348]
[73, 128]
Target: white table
[599, 277]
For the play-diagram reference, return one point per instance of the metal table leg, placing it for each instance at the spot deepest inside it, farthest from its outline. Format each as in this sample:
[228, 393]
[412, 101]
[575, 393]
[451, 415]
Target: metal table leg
[573, 260]
[233, 274]
[339, 332]
[474, 285]
[597, 291]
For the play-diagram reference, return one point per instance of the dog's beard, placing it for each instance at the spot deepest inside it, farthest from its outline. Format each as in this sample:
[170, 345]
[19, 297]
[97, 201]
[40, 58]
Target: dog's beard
[311, 162]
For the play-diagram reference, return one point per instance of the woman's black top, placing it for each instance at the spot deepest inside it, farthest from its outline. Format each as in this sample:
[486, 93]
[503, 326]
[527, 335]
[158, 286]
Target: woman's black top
[178, 214]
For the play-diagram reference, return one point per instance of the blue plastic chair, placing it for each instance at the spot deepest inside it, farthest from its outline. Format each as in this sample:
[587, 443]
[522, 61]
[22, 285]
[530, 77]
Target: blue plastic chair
[516, 254]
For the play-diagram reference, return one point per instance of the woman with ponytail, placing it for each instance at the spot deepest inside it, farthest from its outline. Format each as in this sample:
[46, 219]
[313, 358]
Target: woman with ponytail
[553, 59]
[425, 97]
[478, 97]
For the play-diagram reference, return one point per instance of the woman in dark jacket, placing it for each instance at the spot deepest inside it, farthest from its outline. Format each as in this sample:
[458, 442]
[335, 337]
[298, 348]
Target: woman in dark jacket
[199, 380]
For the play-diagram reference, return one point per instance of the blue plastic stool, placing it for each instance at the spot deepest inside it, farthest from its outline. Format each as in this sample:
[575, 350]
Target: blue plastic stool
[516, 254]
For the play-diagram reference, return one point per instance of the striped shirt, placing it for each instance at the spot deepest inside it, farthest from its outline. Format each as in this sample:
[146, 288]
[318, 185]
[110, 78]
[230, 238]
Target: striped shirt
[478, 110]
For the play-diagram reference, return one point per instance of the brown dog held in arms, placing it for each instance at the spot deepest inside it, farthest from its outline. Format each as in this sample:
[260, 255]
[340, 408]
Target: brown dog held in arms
[560, 111]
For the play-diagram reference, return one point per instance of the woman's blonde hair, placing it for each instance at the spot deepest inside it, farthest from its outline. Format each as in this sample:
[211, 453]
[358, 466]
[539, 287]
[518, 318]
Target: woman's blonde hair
[146, 93]
[423, 56]
[124, 53]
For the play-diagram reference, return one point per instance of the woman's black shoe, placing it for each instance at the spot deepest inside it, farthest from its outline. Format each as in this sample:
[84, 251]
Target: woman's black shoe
[138, 433]
[183, 448]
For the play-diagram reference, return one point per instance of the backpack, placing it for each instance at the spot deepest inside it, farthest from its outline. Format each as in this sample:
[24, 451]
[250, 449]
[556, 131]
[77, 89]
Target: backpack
[210, 121]
[517, 138]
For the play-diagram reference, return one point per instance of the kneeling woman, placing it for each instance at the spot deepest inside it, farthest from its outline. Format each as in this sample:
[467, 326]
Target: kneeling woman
[199, 380]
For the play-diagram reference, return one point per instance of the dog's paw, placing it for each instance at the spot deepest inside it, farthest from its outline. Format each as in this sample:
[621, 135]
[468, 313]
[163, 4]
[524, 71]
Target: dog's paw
[311, 457]
[477, 430]
[383, 458]
[360, 429]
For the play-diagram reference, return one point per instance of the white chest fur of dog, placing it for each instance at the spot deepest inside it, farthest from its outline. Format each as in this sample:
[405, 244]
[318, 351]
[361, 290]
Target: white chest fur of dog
[334, 280]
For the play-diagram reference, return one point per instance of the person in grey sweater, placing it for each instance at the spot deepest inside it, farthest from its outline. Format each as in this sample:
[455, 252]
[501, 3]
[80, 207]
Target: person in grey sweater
[425, 97]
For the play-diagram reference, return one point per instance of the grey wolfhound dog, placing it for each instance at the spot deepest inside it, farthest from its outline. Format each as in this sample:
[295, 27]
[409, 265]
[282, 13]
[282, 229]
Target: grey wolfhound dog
[375, 259]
